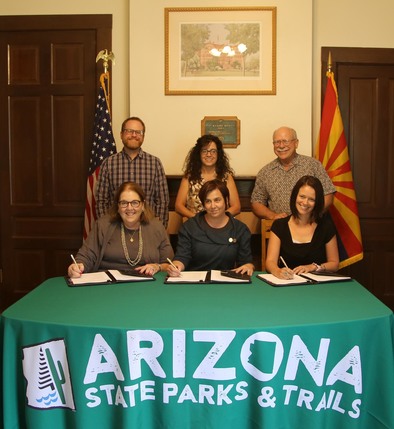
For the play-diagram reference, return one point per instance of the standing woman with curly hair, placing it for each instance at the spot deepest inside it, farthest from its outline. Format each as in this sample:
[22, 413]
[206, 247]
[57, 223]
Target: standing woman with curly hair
[205, 161]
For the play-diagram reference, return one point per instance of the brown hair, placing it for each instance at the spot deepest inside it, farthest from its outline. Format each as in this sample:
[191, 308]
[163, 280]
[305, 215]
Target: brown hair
[318, 209]
[192, 165]
[147, 213]
[210, 186]
[133, 118]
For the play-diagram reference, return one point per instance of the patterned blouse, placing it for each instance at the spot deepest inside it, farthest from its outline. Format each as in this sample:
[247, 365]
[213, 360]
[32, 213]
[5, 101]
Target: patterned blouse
[193, 203]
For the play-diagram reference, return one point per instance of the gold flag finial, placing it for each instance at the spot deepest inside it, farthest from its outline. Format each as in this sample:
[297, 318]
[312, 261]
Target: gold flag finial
[105, 56]
[329, 64]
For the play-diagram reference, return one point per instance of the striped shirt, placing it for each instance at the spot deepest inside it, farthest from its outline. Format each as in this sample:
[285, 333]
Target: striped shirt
[145, 169]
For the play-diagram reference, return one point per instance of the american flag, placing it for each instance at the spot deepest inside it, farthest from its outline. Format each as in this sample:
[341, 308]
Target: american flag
[103, 147]
[333, 153]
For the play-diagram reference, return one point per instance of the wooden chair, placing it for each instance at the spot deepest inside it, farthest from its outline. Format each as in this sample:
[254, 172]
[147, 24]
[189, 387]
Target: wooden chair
[265, 234]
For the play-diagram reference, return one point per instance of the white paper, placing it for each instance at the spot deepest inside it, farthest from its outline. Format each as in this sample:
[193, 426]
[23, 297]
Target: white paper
[275, 280]
[99, 277]
[188, 276]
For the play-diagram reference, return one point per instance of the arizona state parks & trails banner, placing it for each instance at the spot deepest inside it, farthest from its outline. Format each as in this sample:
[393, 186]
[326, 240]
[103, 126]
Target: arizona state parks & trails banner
[82, 365]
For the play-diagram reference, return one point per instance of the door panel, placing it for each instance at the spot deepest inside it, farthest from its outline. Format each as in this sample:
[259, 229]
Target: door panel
[48, 82]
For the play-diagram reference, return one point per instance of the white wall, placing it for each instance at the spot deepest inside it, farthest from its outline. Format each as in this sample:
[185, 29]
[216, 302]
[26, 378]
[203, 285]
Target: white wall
[173, 122]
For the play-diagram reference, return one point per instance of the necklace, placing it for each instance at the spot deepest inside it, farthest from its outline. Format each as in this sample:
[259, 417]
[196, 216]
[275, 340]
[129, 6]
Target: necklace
[132, 236]
[124, 245]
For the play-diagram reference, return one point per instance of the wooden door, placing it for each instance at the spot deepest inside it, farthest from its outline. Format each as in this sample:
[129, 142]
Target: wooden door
[365, 81]
[48, 87]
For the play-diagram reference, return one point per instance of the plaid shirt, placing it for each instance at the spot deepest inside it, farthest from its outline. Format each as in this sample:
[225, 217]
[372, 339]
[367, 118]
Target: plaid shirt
[145, 169]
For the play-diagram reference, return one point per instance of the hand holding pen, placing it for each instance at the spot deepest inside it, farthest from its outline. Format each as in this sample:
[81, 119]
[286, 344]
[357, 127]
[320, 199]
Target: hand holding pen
[75, 269]
[173, 270]
[286, 272]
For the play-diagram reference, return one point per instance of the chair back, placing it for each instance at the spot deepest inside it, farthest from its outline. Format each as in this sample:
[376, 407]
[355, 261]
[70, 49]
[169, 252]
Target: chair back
[265, 234]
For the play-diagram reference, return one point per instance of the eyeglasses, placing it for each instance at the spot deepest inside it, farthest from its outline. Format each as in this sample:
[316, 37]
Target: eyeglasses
[130, 131]
[284, 142]
[124, 204]
[209, 151]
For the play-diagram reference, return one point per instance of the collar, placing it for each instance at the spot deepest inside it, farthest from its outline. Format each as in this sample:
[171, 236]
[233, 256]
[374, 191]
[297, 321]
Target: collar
[140, 153]
[200, 218]
[277, 164]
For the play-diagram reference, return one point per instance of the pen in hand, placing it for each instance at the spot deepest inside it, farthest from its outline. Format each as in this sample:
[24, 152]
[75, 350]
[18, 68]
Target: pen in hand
[75, 262]
[288, 272]
[174, 266]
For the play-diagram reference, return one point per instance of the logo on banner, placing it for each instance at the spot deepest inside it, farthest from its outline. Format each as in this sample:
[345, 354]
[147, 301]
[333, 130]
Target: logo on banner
[45, 367]
[264, 371]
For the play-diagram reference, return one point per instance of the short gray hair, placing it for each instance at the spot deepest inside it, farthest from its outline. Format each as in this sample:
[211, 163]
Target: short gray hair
[292, 131]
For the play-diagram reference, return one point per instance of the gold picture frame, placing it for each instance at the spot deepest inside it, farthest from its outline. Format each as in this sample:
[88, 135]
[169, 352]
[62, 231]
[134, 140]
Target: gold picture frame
[220, 51]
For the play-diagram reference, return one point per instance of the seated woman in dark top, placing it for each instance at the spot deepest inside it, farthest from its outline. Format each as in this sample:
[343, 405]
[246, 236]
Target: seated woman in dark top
[213, 239]
[306, 240]
[128, 237]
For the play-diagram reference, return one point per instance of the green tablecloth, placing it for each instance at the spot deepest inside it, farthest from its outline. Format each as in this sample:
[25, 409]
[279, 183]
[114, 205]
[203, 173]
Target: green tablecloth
[151, 355]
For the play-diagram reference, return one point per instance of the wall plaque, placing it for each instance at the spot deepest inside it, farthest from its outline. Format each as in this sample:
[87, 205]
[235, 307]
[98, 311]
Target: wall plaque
[227, 128]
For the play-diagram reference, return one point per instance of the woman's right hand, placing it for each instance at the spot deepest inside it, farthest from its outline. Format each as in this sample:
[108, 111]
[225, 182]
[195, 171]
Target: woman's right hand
[174, 269]
[75, 271]
[284, 273]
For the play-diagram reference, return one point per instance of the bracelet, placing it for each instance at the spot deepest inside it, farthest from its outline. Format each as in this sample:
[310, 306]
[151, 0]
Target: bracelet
[158, 267]
[318, 267]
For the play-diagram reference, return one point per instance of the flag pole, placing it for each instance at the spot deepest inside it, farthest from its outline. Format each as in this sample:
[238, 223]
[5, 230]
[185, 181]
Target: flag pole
[329, 64]
[103, 144]
[332, 152]
[105, 56]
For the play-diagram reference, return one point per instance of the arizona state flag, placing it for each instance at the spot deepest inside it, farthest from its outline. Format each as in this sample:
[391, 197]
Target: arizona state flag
[333, 153]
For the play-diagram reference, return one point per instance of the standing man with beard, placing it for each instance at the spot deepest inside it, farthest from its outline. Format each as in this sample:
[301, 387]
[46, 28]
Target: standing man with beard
[275, 181]
[135, 165]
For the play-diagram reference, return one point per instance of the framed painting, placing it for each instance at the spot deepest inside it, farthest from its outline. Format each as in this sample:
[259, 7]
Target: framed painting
[220, 51]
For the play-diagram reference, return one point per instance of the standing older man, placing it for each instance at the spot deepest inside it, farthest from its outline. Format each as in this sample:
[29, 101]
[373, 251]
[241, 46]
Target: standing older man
[135, 165]
[275, 181]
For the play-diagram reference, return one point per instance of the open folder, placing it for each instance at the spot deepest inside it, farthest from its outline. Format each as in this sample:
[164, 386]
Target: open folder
[304, 279]
[108, 277]
[212, 276]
